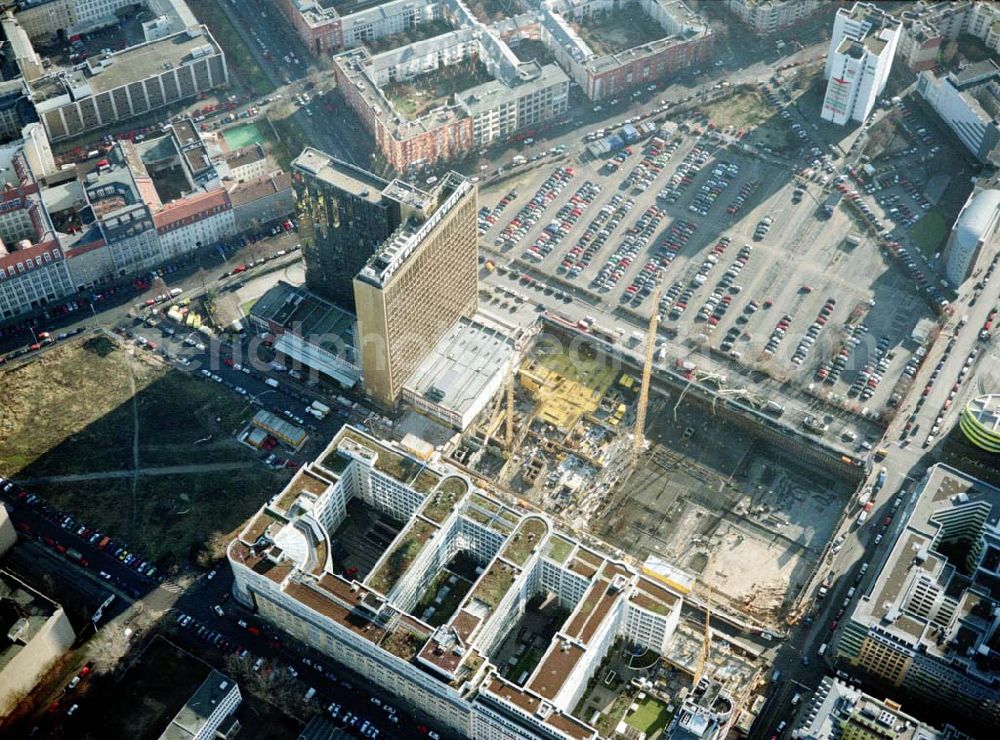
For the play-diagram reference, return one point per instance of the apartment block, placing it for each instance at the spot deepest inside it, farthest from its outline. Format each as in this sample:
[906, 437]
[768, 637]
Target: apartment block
[928, 25]
[858, 63]
[419, 282]
[408, 621]
[206, 711]
[687, 41]
[968, 102]
[767, 17]
[928, 623]
[513, 96]
[326, 28]
[141, 205]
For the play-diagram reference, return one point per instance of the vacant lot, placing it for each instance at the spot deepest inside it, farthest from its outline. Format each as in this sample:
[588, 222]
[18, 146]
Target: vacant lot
[94, 410]
[744, 110]
[930, 232]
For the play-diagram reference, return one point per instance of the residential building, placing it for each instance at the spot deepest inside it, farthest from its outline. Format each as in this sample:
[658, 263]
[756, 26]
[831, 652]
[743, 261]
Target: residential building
[687, 42]
[243, 164]
[862, 47]
[112, 88]
[346, 213]
[520, 96]
[46, 18]
[262, 201]
[393, 620]
[326, 28]
[973, 235]
[143, 204]
[37, 633]
[309, 332]
[926, 623]
[927, 26]
[210, 705]
[968, 102]
[767, 17]
[838, 710]
[419, 282]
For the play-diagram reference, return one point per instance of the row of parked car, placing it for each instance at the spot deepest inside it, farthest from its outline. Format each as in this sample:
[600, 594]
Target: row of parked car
[565, 219]
[91, 537]
[684, 175]
[637, 237]
[43, 339]
[812, 332]
[721, 177]
[531, 212]
[830, 372]
[599, 230]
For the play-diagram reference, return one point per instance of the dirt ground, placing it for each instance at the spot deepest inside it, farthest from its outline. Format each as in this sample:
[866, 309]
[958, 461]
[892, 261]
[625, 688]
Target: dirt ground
[77, 413]
[707, 486]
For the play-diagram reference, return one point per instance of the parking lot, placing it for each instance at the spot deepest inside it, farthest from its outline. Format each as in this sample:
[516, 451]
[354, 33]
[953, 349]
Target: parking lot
[755, 272]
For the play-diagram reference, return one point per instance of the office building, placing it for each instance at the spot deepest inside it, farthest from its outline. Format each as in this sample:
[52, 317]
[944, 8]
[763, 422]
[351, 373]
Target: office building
[206, 711]
[858, 63]
[973, 235]
[419, 282]
[838, 710]
[308, 333]
[346, 213]
[433, 615]
[968, 103]
[767, 17]
[926, 623]
[113, 88]
[35, 633]
[462, 373]
[687, 42]
[980, 422]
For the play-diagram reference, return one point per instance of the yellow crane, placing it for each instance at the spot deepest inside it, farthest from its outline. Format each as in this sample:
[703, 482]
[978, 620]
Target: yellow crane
[706, 646]
[639, 437]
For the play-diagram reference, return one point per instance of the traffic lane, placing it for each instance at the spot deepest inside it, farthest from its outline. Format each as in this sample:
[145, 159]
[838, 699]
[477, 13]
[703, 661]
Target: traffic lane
[280, 652]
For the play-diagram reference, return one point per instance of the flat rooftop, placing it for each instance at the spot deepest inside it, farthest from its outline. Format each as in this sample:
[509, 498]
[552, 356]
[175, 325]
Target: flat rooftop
[129, 65]
[986, 410]
[947, 501]
[193, 716]
[304, 314]
[462, 365]
[341, 175]
[19, 601]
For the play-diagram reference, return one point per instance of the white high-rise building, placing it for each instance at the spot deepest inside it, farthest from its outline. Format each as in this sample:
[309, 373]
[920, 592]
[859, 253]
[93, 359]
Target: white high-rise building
[857, 66]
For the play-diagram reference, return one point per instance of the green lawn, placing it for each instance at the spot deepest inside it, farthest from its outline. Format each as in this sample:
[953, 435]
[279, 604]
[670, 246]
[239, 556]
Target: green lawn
[651, 717]
[930, 232]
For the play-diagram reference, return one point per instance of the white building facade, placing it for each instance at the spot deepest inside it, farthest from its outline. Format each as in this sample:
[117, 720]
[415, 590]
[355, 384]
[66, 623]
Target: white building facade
[858, 63]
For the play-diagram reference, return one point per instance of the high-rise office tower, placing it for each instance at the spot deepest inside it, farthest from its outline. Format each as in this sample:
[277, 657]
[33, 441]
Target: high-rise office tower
[418, 283]
[344, 217]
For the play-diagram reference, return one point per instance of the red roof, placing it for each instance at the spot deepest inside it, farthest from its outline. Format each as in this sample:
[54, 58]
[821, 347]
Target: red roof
[194, 207]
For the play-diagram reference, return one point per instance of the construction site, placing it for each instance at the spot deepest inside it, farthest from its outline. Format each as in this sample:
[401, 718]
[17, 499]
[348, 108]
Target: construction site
[562, 436]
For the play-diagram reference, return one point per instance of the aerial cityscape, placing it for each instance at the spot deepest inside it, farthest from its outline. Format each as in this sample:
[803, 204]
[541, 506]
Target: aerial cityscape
[500, 369]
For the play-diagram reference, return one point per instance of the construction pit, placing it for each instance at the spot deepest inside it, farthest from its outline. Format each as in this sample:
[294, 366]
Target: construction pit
[747, 517]
[707, 484]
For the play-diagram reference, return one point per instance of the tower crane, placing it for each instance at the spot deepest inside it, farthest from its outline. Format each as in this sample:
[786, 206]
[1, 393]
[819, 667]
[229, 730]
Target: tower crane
[639, 437]
[706, 646]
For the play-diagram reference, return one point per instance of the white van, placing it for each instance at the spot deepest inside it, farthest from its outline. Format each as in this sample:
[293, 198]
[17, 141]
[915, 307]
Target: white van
[822, 649]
